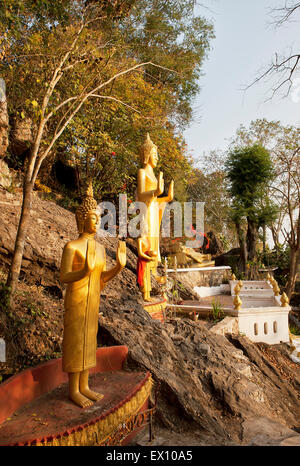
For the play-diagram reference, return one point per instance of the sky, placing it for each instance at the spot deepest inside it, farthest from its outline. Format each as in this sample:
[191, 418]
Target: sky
[245, 43]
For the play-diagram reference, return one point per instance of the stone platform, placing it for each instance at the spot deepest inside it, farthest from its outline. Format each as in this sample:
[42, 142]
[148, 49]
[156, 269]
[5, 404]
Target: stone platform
[35, 409]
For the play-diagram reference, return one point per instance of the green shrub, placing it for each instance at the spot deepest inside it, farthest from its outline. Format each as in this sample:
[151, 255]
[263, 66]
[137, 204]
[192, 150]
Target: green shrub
[294, 329]
[217, 311]
[4, 297]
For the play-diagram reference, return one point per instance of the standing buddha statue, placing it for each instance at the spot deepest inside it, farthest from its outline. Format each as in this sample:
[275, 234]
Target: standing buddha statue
[148, 191]
[83, 268]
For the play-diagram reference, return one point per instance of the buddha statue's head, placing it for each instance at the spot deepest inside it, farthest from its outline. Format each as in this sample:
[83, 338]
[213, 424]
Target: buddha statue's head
[148, 152]
[87, 217]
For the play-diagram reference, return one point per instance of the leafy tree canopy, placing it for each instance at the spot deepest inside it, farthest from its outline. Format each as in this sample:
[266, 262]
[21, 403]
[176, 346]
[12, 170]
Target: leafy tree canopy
[248, 170]
[117, 35]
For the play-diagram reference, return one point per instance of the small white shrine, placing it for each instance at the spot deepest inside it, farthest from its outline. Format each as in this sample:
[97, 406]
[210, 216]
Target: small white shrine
[262, 316]
[260, 312]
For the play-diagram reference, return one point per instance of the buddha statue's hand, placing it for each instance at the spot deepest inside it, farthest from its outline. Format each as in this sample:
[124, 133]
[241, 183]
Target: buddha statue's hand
[90, 259]
[121, 254]
[160, 184]
[171, 191]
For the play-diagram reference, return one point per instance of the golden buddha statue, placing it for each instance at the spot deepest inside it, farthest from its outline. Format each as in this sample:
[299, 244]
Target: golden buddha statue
[148, 189]
[83, 269]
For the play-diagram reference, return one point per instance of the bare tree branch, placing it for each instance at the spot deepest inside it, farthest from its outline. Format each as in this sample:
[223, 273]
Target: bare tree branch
[285, 67]
[65, 102]
[82, 99]
[285, 12]
[116, 100]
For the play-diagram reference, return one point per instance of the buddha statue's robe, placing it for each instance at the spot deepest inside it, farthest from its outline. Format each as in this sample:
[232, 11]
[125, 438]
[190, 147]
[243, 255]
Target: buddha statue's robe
[143, 270]
[82, 302]
[154, 213]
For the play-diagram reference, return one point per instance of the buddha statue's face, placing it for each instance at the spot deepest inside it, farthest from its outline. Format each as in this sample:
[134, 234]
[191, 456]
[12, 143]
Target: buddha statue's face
[91, 222]
[153, 159]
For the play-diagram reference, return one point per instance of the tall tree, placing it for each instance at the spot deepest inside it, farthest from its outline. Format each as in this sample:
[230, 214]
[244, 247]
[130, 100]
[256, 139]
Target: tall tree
[288, 188]
[171, 34]
[75, 48]
[71, 59]
[283, 144]
[249, 169]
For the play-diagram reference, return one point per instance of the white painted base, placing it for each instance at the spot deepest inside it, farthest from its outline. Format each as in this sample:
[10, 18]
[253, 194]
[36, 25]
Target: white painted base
[268, 325]
[204, 291]
[261, 318]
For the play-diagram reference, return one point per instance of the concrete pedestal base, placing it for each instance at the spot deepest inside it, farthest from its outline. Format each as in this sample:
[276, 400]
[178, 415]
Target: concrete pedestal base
[156, 308]
[35, 409]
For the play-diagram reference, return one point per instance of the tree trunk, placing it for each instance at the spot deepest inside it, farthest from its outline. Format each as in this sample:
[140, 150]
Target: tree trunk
[275, 239]
[15, 267]
[243, 246]
[264, 228]
[294, 257]
[251, 239]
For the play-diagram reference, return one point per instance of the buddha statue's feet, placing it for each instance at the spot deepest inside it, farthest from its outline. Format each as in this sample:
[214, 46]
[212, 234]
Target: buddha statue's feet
[80, 400]
[91, 394]
[150, 300]
[161, 280]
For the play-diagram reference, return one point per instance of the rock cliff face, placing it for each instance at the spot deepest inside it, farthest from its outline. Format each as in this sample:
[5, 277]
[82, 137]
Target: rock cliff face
[213, 383]
[5, 175]
[225, 390]
[21, 136]
[50, 228]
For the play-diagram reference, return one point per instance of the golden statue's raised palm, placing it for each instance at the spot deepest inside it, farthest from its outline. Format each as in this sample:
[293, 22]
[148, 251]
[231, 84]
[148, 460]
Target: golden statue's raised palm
[121, 253]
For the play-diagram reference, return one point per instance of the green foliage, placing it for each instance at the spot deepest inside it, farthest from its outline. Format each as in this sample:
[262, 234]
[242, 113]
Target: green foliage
[282, 142]
[225, 241]
[151, 99]
[278, 257]
[4, 298]
[38, 14]
[33, 309]
[249, 169]
[294, 329]
[217, 311]
[169, 33]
